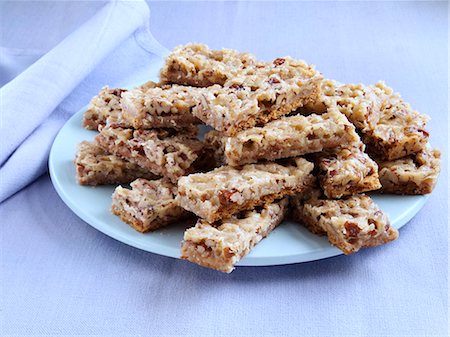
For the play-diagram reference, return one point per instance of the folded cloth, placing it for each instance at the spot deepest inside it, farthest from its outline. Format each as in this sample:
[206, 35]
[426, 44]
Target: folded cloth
[108, 49]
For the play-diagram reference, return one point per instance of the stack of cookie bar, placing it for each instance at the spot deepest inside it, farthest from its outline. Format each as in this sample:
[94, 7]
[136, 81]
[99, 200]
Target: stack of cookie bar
[282, 141]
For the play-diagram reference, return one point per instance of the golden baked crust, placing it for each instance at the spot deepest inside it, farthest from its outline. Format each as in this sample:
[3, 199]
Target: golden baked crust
[226, 190]
[220, 245]
[350, 224]
[148, 205]
[415, 174]
[95, 166]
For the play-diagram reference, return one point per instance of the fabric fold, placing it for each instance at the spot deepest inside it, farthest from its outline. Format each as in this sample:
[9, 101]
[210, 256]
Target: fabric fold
[35, 104]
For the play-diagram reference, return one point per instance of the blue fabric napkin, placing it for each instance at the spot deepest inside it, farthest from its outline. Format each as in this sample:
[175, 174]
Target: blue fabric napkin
[113, 47]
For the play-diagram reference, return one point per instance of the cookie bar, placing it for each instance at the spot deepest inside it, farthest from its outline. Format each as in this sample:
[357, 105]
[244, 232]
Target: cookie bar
[389, 126]
[220, 245]
[95, 166]
[226, 190]
[248, 92]
[103, 106]
[197, 65]
[158, 150]
[287, 137]
[347, 171]
[215, 141]
[400, 130]
[250, 100]
[158, 106]
[415, 174]
[106, 106]
[350, 224]
[148, 205]
[361, 104]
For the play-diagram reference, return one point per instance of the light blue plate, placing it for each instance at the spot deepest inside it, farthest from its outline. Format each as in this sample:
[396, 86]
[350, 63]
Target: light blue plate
[289, 243]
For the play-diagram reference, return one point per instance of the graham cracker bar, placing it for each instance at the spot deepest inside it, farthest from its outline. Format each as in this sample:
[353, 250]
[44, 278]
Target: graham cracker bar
[286, 137]
[148, 205]
[250, 100]
[197, 65]
[400, 130]
[347, 171]
[160, 151]
[350, 224]
[248, 93]
[390, 128]
[156, 106]
[220, 245]
[361, 104]
[415, 174]
[106, 106]
[226, 190]
[103, 106]
[95, 166]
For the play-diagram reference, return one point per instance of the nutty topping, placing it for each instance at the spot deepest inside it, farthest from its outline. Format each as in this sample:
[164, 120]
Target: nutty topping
[228, 253]
[225, 195]
[236, 86]
[273, 80]
[373, 232]
[118, 92]
[333, 173]
[425, 133]
[279, 61]
[352, 229]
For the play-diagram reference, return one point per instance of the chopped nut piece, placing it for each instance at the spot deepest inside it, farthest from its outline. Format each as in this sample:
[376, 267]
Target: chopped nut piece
[351, 224]
[220, 245]
[95, 166]
[415, 174]
[226, 190]
[149, 205]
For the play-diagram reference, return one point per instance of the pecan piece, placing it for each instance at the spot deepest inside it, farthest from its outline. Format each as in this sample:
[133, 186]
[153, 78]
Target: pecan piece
[279, 61]
[236, 86]
[352, 229]
[425, 133]
[274, 80]
[118, 92]
[225, 195]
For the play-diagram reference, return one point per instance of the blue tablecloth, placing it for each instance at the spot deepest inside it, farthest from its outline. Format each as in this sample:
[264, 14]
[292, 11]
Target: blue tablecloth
[59, 276]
